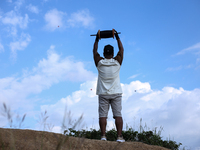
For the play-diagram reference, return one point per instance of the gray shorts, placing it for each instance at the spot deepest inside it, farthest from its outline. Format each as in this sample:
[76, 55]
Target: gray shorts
[115, 100]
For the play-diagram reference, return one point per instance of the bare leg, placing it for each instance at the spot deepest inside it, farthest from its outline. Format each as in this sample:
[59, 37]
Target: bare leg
[102, 124]
[119, 125]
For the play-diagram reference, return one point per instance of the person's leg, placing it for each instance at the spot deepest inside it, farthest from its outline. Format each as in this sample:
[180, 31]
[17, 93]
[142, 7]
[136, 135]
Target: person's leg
[119, 125]
[103, 113]
[116, 108]
[102, 124]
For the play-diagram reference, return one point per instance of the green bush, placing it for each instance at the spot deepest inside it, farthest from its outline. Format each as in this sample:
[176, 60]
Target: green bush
[147, 137]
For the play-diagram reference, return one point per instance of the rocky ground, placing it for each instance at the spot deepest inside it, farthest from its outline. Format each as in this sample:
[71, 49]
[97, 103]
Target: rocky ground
[17, 139]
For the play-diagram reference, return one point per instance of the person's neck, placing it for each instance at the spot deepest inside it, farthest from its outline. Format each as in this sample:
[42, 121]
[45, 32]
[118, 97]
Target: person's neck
[108, 57]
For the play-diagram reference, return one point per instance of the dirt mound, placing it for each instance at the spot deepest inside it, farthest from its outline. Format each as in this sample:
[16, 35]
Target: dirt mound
[39, 140]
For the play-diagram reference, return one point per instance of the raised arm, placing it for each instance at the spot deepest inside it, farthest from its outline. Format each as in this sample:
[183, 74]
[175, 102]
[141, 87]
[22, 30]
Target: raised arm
[96, 55]
[120, 53]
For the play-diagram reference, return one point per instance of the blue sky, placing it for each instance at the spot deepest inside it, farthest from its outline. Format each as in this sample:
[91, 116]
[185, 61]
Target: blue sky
[46, 62]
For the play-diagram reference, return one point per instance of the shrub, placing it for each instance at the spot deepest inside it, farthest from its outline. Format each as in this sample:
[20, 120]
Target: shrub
[147, 137]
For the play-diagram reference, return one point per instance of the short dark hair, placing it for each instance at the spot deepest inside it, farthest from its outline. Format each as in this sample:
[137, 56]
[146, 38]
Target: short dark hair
[108, 50]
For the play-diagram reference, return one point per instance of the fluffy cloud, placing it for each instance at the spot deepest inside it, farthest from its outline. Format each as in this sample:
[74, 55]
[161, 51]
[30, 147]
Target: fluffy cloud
[32, 9]
[66, 69]
[176, 110]
[133, 87]
[81, 18]
[21, 44]
[13, 21]
[48, 72]
[12, 18]
[54, 18]
[83, 101]
[18, 4]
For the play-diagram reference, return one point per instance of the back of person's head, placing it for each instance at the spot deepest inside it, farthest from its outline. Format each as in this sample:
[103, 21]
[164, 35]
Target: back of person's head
[108, 51]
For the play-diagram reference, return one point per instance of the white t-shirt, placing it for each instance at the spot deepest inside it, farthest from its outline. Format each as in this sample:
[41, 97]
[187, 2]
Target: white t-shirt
[108, 77]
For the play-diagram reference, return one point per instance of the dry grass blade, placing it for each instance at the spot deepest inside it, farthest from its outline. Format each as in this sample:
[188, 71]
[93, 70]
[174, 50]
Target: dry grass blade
[23, 118]
[78, 121]
[4, 105]
[7, 113]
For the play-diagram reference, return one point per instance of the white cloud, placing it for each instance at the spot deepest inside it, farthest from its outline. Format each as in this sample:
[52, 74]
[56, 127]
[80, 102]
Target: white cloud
[1, 48]
[32, 9]
[57, 19]
[81, 18]
[66, 69]
[134, 76]
[177, 110]
[49, 71]
[85, 101]
[180, 67]
[14, 20]
[174, 68]
[135, 87]
[54, 18]
[195, 47]
[18, 4]
[54, 69]
[13, 31]
[21, 44]
[195, 50]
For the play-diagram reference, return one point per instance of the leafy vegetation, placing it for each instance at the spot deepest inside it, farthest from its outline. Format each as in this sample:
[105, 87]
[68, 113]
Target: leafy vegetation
[147, 137]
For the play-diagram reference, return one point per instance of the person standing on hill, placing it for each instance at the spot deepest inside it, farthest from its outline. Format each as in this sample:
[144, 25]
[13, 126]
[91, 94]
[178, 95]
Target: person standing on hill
[109, 89]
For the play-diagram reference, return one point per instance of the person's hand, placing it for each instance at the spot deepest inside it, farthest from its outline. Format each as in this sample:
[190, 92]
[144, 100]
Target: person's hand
[116, 35]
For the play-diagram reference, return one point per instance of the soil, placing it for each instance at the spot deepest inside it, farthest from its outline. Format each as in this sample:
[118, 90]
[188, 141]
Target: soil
[18, 139]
